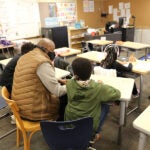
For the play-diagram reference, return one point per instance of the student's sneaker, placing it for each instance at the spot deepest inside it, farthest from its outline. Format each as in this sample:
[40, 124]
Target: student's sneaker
[91, 148]
[136, 95]
[95, 139]
[13, 121]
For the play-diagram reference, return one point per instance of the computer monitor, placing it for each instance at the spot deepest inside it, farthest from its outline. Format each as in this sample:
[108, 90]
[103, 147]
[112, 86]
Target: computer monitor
[121, 21]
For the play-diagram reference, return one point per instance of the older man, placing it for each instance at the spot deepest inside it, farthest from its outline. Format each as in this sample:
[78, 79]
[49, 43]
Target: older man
[35, 88]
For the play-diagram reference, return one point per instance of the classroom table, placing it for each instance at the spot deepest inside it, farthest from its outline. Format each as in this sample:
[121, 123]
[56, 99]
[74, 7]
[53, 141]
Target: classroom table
[135, 46]
[66, 52]
[2, 47]
[126, 92]
[100, 42]
[4, 62]
[142, 68]
[60, 73]
[93, 56]
[142, 123]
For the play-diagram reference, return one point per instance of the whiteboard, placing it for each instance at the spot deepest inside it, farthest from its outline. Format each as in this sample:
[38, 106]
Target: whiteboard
[19, 19]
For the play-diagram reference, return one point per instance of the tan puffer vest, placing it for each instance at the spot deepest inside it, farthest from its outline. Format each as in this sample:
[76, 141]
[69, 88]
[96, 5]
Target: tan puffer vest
[34, 100]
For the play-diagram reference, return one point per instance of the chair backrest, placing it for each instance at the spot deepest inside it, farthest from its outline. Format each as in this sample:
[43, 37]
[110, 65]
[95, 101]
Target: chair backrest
[68, 135]
[13, 105]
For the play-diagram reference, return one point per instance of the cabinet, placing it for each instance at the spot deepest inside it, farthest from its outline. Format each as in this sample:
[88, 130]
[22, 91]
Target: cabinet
[76, 36]
[128, 34]
[58, 34]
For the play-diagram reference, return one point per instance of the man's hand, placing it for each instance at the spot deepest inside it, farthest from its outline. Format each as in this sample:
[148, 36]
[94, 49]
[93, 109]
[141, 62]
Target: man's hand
[62, 81]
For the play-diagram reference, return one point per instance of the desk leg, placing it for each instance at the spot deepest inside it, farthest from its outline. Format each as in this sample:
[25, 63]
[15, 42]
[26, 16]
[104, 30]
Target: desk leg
[146, 53]
[141, 90]
[142, 141]
[121, 121]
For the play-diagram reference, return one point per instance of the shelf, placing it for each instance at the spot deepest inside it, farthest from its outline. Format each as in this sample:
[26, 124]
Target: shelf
[76, 36]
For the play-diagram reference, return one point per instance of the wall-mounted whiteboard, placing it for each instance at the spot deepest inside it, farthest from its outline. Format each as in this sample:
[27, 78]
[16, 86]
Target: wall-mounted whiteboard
[19, 19]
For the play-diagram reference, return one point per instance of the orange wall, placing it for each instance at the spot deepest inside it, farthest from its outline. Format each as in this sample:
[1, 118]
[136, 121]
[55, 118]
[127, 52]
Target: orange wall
[92, 19]
[139, 8]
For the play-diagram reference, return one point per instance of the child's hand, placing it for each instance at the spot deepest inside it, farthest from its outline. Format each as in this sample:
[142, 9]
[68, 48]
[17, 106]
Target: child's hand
[132, 58]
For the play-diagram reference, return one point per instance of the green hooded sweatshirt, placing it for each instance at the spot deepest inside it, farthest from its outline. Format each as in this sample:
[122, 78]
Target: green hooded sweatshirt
[86, 101]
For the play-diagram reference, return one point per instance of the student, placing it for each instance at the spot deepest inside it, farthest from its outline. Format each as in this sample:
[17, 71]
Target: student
[35, 87]
[110, 63]
[6, 78]
[85, 96]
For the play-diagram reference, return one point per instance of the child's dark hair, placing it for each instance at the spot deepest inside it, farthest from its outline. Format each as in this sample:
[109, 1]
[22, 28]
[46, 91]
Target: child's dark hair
[112, 53]
[26, 47]
[82, 68]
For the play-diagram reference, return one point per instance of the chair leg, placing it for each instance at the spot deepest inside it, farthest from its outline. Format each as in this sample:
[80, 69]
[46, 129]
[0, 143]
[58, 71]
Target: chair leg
[26, 141]
[19, 136]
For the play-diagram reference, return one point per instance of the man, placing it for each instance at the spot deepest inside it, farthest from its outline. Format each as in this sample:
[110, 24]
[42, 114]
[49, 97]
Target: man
[35, 88]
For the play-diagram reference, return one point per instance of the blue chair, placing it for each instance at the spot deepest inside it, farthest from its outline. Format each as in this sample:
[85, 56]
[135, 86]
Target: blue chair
[68, 135]
[3, 105]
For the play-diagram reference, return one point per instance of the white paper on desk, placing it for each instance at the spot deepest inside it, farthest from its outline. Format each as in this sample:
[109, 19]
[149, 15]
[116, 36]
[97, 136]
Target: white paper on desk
[101, 56]
[142, 66]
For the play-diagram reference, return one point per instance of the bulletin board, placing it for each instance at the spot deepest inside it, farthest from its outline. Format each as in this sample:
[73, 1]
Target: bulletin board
[140, 10]
[19, 19]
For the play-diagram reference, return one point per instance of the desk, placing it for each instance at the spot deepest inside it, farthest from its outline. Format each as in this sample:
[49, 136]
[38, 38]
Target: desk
[126, 92]
[100, 42]
[142, 123]
[2, 47]
[140, 67]
[66, 52]
[136, 46]
[60, 73]
[4, 62]
[93, 56]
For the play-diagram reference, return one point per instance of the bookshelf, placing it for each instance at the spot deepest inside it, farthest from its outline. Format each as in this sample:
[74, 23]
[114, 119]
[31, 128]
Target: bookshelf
[76, 36]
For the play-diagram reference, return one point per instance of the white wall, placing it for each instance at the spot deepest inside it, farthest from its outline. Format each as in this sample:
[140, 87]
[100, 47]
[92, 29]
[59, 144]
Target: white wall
[142, 36]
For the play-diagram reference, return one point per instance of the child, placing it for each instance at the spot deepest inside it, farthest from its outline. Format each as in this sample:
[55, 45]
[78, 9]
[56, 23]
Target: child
[6, 78]
[122, 71]
[85, 96]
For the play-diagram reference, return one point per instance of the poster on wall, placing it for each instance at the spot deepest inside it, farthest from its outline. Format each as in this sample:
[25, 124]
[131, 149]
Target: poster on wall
[88, 5]
[123, 10]
[52, 10]
[85, 6]
[91, 5]
[66, 11]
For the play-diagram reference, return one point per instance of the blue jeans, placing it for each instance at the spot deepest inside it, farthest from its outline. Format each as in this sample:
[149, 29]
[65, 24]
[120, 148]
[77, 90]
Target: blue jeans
[104, 111]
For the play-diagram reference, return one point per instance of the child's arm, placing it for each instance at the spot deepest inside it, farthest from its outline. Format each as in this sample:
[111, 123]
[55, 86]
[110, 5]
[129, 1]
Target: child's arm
[121, 68]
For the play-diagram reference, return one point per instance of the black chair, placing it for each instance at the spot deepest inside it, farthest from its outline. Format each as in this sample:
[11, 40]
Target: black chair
[68, 135]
